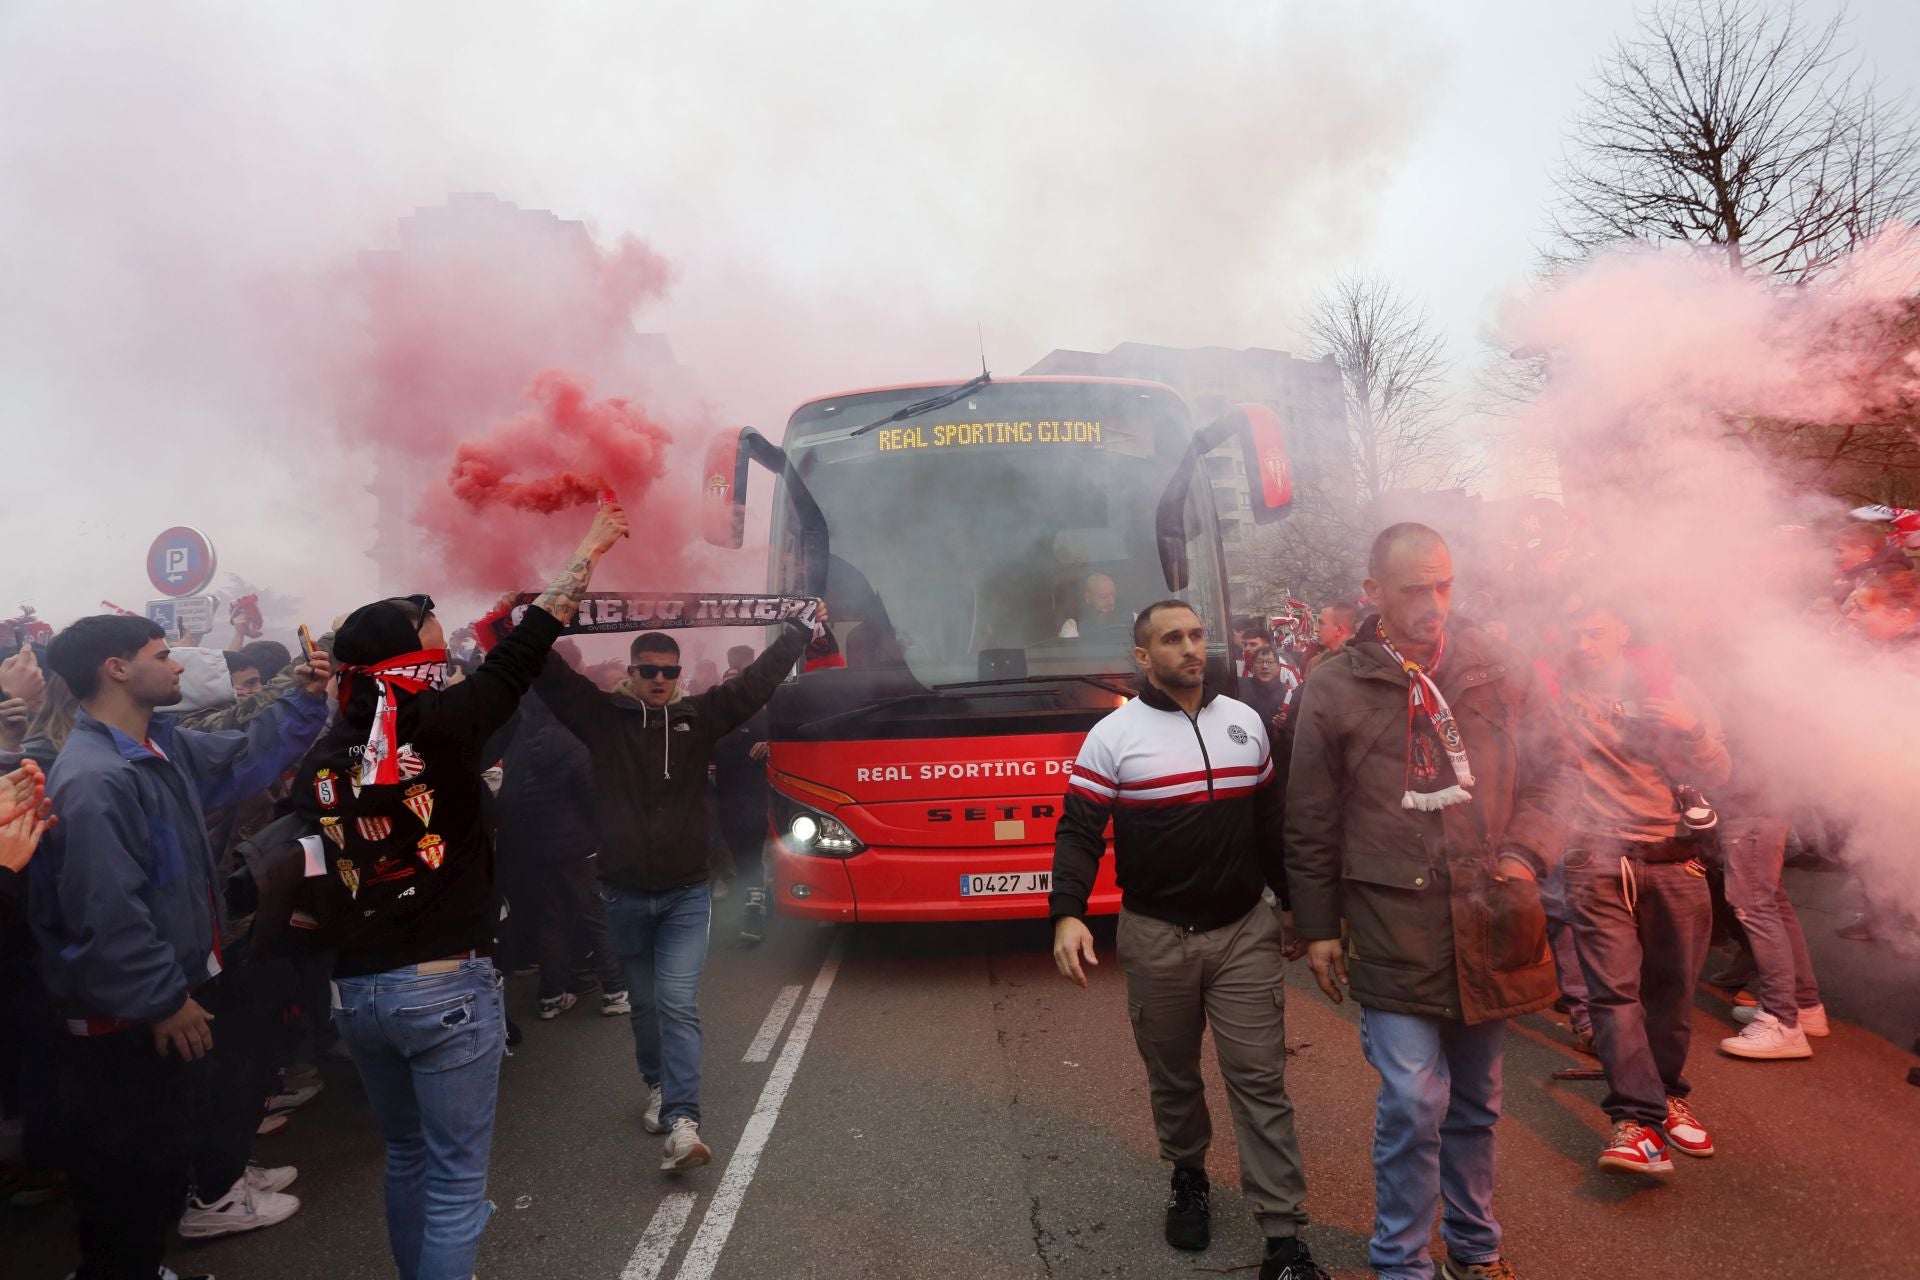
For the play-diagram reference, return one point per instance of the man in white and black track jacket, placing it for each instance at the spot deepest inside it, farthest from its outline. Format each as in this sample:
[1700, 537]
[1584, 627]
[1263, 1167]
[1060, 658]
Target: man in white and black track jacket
[1187, 779]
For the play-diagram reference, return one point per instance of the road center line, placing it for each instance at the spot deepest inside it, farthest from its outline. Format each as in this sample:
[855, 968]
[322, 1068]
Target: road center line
[662, 1233]
[762, 1047]
[703, 1255]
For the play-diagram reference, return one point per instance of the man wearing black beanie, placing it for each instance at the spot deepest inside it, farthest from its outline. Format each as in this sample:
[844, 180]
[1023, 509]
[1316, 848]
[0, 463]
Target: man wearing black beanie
[395, 789]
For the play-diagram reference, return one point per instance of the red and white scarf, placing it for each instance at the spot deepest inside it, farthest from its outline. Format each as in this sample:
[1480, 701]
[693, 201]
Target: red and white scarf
[413, 672]
[1425, 699]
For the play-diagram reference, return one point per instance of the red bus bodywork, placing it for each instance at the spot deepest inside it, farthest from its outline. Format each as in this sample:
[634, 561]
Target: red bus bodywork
[960, 826]
[927, 824]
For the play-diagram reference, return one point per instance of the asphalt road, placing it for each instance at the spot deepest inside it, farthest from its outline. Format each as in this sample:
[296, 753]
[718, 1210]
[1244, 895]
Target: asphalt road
[942, 1105]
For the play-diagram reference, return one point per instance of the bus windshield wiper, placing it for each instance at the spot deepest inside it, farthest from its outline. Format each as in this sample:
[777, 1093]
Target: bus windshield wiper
[940, 401]
[937, 692]
[1097, 682]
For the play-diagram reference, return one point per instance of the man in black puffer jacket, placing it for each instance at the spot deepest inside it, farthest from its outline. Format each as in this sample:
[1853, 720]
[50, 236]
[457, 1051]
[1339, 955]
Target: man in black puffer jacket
[546, 820]
[651, 748]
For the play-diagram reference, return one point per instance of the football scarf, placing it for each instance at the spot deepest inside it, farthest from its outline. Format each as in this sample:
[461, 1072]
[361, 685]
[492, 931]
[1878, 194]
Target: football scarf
[1424, 701]
[413, 672]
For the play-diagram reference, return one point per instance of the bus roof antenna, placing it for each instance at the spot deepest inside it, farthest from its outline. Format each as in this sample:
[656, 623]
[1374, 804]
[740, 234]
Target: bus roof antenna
[981, 334]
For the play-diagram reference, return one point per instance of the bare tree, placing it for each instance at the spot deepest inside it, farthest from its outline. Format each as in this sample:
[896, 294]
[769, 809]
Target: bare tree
[1393, 362]
[1737, 125]
[1399, 435]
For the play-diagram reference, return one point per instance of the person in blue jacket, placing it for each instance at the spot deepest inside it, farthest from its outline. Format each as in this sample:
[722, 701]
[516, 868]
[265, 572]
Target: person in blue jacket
[125, 912]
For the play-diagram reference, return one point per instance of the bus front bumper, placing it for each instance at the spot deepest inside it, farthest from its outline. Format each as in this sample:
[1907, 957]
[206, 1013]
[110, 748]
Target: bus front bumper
[924, 884]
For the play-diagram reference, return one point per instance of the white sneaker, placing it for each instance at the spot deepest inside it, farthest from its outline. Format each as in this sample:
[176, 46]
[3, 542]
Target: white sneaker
[294, 1098]
[241, 1209]
[1764, 1037]
[684, 1149]
[1812, 1021]
[552, 1007]
[261, 1178]
[651, 1120]
[614, 1004]
[274, 1122]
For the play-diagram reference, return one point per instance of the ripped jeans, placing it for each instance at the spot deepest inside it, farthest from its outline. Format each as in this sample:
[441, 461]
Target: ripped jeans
[428, 1047]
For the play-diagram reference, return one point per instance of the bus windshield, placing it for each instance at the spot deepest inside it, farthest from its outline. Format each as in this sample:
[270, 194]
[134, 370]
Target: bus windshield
[1007, 535]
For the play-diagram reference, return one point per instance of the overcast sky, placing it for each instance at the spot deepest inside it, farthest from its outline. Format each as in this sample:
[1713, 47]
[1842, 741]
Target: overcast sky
[845, 190]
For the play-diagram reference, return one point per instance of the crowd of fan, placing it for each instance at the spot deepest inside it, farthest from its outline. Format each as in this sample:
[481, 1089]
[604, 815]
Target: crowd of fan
[1629, 934]
[205, 1068]
[1872, 598]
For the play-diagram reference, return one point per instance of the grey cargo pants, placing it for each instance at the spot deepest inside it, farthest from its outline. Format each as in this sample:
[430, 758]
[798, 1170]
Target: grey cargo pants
[1234, 978]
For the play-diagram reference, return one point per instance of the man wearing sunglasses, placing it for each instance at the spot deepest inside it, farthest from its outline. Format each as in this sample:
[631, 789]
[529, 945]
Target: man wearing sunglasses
[651, 747]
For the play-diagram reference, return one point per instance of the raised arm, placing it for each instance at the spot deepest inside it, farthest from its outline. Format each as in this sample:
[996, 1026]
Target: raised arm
[733, 703]
[484, 701]
[562, 596]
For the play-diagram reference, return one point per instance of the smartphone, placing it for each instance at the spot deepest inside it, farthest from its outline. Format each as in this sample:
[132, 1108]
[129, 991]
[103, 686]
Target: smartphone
[306, 641]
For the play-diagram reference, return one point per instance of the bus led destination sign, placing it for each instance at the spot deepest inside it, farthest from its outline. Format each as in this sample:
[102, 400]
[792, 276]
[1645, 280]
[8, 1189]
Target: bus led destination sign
[963, 435]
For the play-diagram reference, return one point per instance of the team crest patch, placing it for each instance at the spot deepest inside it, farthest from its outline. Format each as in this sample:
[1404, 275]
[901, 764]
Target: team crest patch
[326, 788]
[433, 850]
[332, 830]
[409, 762]
[374, 829]
[1238, 734]
[350, 876]
[420, 799]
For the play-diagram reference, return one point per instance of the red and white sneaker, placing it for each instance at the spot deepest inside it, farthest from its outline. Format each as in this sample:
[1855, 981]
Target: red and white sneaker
[1636, 1148]
[1685, 1132]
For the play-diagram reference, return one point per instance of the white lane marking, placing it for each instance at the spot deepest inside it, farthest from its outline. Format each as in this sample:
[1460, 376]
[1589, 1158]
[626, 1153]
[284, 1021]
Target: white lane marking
[656, 1242]
[762, 1047]
[703, 1255]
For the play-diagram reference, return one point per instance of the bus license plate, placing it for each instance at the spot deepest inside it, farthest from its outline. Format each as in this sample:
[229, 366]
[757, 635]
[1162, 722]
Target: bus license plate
[1004, 882]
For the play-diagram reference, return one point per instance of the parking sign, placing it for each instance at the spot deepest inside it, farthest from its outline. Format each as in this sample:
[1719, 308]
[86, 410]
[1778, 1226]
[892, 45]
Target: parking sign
[180, 562]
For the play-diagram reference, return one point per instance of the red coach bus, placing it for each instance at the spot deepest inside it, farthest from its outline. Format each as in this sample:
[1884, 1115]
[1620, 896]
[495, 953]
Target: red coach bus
[955, 532]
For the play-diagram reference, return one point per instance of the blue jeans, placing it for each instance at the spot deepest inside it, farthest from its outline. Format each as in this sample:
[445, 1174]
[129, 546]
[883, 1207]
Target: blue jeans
[661, 939]
[1432, 1139]
[1643, 930]
[428, 1048]
[1566, 957]
[1754, 856]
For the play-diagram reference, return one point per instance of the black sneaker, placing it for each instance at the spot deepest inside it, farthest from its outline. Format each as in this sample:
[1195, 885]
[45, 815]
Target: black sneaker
[1189, 1220]
[1696, 811]
[1289, 1259]
[753, 917]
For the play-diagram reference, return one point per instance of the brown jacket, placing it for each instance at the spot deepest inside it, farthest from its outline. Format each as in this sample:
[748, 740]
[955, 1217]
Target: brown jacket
[1435, 925]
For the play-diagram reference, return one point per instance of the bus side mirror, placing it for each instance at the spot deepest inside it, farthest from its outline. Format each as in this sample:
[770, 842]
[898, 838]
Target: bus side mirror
[1269, 470]
[1263, 443]
[723, 494]
[723, 499]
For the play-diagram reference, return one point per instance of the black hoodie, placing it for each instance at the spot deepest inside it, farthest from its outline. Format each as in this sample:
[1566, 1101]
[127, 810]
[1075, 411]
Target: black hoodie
[650, 764]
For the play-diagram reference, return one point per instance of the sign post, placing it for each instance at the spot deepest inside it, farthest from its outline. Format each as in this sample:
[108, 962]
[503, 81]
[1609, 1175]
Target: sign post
[180, 562]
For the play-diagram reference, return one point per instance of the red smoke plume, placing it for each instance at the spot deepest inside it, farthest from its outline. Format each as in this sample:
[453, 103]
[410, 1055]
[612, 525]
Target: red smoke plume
[564, 454]
[483, 452]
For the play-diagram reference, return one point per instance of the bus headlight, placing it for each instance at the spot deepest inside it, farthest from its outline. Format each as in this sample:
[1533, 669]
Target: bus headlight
[811, 832]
